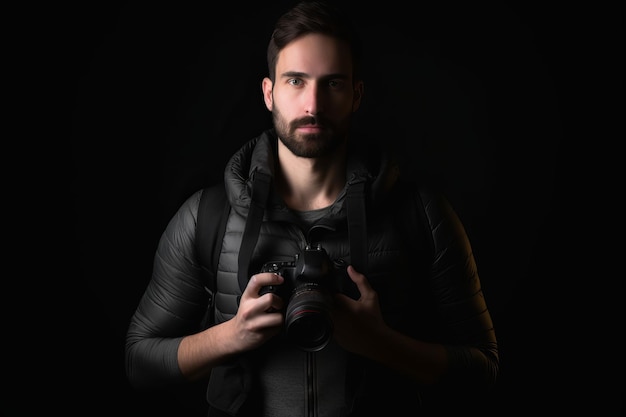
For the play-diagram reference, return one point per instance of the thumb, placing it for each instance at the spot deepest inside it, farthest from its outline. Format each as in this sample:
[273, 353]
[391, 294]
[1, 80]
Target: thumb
[359, 279]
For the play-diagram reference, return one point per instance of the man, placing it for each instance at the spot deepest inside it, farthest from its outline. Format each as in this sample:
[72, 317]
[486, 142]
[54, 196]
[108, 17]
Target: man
[415, 317]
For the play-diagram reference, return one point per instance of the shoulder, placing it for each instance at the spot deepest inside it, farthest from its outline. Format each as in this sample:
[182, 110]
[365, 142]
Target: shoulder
[189, 208]
[183, 222]
[427, 199]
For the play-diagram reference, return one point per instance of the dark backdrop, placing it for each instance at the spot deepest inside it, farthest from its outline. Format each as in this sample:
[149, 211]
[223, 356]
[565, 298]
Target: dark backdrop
[516, 112]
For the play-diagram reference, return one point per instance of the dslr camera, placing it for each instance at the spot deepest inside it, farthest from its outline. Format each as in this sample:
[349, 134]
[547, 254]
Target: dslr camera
[310, 281]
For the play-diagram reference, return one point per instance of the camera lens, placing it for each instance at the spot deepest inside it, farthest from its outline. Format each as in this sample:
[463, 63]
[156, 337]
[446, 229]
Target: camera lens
[308, 320]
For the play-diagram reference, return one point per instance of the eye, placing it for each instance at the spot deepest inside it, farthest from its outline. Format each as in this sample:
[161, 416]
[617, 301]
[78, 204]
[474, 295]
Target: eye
[294, 81]
[336, 84]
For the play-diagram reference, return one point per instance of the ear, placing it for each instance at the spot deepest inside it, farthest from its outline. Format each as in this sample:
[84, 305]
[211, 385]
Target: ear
[358, 95]
[266, 86]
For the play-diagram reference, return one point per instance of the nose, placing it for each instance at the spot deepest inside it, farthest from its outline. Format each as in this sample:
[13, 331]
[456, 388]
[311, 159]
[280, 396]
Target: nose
[313, 99]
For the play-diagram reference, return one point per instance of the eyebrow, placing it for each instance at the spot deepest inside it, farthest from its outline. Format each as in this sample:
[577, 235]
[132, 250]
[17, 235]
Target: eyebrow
[305, 75]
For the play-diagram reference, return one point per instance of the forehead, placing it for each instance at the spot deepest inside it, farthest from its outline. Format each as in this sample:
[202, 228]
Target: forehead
[315, 55]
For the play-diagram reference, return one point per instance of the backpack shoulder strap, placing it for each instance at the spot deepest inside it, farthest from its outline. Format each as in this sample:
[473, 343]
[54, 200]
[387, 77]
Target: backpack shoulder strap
[213, 212]
[357, 226]
[411, 200]
[420, 218]
[261, 184]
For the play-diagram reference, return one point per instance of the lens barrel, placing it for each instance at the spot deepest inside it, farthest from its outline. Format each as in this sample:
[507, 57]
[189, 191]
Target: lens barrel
[307, 319]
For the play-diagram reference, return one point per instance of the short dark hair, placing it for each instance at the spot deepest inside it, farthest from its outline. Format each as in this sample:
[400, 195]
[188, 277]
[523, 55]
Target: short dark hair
[314, 16]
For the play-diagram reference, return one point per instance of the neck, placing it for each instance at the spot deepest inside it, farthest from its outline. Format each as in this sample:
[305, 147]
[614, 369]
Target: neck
[310, 183]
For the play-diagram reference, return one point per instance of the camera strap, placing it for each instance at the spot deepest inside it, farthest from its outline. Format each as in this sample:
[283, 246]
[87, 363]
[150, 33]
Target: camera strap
[260, 191]
[357, 226]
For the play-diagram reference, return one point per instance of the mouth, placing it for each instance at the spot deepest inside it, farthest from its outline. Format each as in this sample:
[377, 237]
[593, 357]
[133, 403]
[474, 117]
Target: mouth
[310, 128]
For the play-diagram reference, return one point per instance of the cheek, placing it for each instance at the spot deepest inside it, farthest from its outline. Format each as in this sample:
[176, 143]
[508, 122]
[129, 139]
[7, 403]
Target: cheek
[343, 109]
[287, 106]
[340, 103]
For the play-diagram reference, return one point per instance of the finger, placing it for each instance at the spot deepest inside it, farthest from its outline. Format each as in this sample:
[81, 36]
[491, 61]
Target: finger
[359, 279]
[271, 302]
[356, 277]
[263, 279]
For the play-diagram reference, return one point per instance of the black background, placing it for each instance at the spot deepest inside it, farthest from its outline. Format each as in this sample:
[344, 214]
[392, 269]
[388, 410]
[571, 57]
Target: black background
[516, 111]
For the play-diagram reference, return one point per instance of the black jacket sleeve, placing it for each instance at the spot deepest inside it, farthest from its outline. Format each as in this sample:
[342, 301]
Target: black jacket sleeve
[454, 282]
[171, 307]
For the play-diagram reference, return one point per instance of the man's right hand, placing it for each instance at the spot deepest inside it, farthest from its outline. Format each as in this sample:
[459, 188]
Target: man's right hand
[259, 317]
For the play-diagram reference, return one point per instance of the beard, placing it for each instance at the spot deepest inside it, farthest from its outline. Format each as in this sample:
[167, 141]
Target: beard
[312, 145]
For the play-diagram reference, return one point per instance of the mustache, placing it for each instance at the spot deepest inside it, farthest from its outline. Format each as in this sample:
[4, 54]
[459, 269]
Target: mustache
[308, 120]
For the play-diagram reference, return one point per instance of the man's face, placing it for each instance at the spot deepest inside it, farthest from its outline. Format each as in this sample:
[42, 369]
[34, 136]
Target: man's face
[313, 97]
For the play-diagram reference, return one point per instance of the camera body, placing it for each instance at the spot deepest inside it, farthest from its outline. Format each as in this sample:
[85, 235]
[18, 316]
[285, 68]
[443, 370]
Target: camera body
[310, 281]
